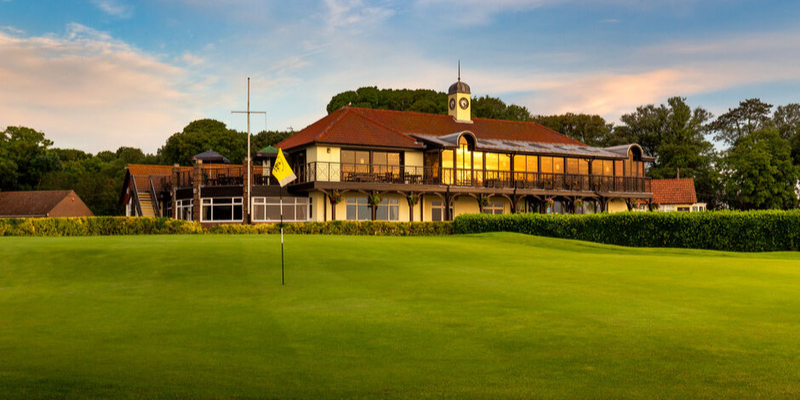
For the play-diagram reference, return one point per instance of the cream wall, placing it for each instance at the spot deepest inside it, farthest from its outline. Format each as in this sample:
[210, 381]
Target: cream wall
[617, 205]
[465, 205]
[320, 153]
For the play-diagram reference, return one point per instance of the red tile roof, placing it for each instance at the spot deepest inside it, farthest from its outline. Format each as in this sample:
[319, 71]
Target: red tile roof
[674, 191]
[43, 203]
[386, 128]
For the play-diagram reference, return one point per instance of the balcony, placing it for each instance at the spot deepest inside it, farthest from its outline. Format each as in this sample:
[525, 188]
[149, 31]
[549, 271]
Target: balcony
[405, 175]
[226, 176]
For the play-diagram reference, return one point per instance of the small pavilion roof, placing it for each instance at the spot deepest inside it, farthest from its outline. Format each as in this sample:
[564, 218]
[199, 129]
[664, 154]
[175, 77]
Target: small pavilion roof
[211, 156]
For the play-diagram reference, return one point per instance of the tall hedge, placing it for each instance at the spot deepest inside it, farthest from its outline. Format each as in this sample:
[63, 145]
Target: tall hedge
[721, 230]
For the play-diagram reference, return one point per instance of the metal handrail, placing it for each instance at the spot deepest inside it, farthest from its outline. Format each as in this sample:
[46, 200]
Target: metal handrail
[136, 193]
[153, 197]
[324, 171]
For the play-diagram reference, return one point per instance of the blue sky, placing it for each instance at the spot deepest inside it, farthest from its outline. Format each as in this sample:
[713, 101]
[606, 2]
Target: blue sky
[100, 74]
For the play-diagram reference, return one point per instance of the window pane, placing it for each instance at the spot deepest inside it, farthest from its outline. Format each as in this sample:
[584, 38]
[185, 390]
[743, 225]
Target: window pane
[447, 159]
[393, 159]
[505, 162]
[618, 168]
[348, 156]
[520, 163]
[532, 164]
[379, 158]
[259, 213]
[492, 162]
[572, 166]
[558, 165]
[547, 165]
[583, 167]
[364, 213]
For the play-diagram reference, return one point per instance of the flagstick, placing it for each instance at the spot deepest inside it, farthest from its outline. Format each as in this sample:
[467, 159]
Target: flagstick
[283, 282]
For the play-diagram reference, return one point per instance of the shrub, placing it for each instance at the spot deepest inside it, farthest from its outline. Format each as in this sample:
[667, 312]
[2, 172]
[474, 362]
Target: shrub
[720, 230]
[96, 226]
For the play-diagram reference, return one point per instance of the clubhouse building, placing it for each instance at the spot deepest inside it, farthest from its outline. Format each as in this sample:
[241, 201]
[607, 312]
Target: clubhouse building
[365, 164]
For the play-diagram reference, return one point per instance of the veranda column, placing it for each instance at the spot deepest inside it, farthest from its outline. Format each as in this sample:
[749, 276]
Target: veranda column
[175, 180]
[197, 185]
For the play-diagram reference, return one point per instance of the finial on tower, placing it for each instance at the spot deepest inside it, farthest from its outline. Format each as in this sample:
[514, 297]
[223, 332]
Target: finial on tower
[459, 70]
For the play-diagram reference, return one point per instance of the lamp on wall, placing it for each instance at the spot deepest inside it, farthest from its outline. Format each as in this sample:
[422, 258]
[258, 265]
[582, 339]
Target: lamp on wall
[329, 150]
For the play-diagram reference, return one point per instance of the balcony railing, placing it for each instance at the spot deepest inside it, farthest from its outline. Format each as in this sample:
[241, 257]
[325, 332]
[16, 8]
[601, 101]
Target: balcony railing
[393, 174]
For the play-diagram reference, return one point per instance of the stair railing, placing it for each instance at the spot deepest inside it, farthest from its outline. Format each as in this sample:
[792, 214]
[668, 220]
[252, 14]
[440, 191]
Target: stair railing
[153, 197]
[137, 203]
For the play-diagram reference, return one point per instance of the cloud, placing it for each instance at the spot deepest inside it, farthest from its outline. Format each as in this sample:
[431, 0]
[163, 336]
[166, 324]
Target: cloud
[352, 13]
[653, 73]
[87, 90]
[114, 8]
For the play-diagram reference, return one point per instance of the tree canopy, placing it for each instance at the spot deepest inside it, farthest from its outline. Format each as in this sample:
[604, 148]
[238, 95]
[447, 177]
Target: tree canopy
[426, 101]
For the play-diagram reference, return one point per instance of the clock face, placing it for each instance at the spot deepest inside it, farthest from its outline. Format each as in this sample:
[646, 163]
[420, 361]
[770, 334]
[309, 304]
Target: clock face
[452, 104]
[464, 103]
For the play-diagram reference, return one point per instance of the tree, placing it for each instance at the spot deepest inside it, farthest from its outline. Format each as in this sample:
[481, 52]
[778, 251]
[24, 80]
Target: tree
[200, 136]
[675, 135]
[787, 121]
[494, 108]
[751, 115]
[268, 138]
[25, 158]
[592, 130]
[425, 101]
[759, 173]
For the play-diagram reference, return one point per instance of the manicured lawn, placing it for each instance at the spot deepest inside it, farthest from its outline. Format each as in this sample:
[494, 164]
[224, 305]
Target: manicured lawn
[493, 316]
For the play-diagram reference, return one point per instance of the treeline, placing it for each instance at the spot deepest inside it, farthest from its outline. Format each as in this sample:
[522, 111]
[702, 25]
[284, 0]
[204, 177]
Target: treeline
[754, 165]
[28, 160]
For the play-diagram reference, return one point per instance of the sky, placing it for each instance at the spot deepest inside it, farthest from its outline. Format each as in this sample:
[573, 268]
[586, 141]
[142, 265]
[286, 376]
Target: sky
[101, 74]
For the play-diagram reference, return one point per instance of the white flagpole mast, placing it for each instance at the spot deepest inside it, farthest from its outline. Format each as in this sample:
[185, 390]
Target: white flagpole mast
[283, 282]
[249, 157]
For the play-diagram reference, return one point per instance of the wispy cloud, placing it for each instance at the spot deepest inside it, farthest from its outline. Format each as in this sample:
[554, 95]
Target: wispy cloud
[115, 8]
[351, 13]
[87, 90]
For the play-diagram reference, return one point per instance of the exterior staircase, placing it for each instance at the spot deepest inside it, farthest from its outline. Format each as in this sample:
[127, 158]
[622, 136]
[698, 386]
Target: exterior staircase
[146, 202]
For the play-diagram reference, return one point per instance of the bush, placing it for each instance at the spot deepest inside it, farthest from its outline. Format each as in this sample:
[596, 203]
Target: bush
[372, 228]
[96, 226]
[721, 230]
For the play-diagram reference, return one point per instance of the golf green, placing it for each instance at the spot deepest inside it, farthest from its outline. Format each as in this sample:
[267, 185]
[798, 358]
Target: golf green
[491, 316]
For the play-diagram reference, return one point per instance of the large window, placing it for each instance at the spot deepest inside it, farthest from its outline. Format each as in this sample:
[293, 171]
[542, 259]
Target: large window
[355, 161]
[185, 209]
[437, 210]
[603, 167]
[358, 209]
[494, 207]
[526, 167]
[553, 165]
[268, 209]
[222, 209]
[388, 210]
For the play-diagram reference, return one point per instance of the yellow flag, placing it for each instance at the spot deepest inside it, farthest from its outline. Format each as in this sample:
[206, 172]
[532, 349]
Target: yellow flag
[282, 171]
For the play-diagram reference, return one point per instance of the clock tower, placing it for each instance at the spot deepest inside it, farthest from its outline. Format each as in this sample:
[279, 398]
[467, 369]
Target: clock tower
[459, 101]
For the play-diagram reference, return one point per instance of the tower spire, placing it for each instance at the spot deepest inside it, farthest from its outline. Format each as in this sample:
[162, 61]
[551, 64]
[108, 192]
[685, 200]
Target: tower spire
[459, 70]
